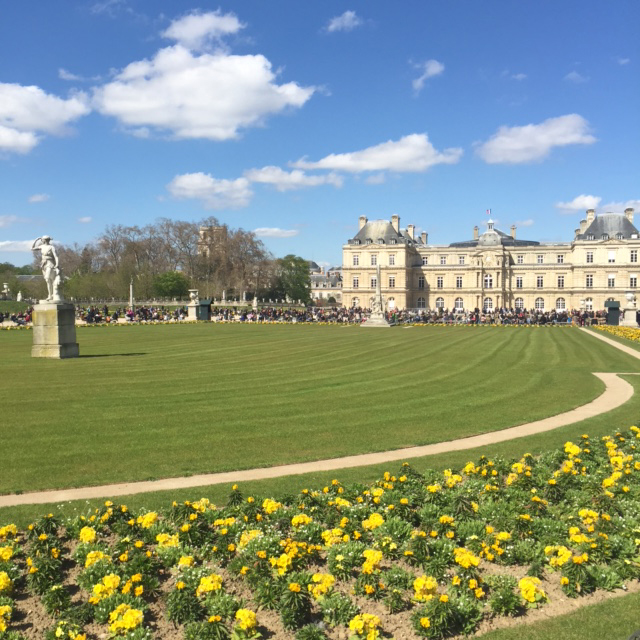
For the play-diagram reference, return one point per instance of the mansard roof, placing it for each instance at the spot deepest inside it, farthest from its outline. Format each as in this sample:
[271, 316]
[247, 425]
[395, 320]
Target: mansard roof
[383, 232]
[494, 237]
[610, 225]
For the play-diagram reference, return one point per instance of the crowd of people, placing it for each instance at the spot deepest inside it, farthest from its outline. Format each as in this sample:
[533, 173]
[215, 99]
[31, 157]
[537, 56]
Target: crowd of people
[333, 315]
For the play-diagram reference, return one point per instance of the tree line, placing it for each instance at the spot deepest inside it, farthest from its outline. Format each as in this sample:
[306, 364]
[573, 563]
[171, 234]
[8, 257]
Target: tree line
[168, 257]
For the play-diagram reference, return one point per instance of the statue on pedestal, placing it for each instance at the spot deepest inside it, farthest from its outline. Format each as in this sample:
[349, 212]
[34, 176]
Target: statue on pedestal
[50, 268]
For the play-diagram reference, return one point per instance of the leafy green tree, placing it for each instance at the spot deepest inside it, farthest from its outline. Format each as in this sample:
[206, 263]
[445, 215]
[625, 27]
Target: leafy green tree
[293, 277]
[171, 284]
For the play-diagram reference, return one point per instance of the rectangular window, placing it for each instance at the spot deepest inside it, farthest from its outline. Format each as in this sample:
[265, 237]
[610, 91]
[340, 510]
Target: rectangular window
[560, 282]
[443, 259]
[421, 282]
[374, 282]
[392, 259]
[633, 281]
[460, 259]
[560, 258]
[611, 256]
[374, 260]
[540, 282]
[356, 260]
[356, 282]
[540, 258]
[589, 257]
[611, 281]
[518, 282]
[589, 281]
[634, 256]
[425, 259]
[520, 259]
[458, 282]
[440, 282]
[392, 282]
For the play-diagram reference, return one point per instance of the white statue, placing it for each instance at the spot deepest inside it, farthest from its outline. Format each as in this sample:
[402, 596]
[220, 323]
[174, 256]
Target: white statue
[50, 268]
[19, 296]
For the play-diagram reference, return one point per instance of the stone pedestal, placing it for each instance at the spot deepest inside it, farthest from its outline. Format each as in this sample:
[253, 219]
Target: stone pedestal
[629, 319]
[192, 312]
[54, 331]
[376, 320]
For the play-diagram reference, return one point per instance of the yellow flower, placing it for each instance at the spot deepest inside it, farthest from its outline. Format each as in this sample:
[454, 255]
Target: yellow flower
[6, 553]
[209, 583]
[425, 623]
[5, 581]
[424, 588]
[246, 619]
[295, 587]
[185, 561]
[87, 534]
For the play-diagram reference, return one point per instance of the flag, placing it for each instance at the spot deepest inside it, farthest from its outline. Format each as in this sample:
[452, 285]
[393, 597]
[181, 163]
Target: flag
[488, 212]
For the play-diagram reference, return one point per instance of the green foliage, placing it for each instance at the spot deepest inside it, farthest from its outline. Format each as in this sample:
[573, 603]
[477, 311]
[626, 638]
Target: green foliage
[337, 609]
[293, 278]
[56, 600]
[171, 284]
[504, 600]
[211, 630]
[311, 632]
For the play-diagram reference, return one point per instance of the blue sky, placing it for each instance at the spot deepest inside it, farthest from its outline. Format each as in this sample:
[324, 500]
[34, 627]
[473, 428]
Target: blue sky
[294, 118]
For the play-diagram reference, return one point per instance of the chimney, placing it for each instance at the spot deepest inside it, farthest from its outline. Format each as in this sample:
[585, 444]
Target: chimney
[476, 232]
[583, 226]
[411, 229]
[577, 231]
[628, 214]
[513, 231]
[425, 236]
[363, 221]
[395, 222]
[591, 216]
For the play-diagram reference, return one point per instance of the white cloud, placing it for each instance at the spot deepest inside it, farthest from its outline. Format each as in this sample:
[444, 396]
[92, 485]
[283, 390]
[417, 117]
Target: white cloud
[64, 74]
[619, 207]
[429, 69]
[519, 76]
[28, 112]
[274, 232]
[208, 96]
[348, 21]
[532, 142]
[579, 203]
[377, 178]
[524, 223]
[196, 30]
[85, 219]
[623, 61]
[288, 180]
[38, 197]
[7, 221]
[413, 153]
[576, 77]
[16, 245]
[212, 192]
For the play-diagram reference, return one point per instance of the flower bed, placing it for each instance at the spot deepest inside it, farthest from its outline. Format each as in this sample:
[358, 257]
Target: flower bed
[629, 333]
[429, 555]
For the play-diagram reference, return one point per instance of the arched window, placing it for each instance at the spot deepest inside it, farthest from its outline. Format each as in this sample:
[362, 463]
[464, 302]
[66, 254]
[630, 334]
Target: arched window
[439, 303]
[487, 305]
[391, 303]
[560, 304]
[488, 281]
[422, 303]
[355, 302]
[588, 303]
[539, 304]
[459, 304]
[519, 303]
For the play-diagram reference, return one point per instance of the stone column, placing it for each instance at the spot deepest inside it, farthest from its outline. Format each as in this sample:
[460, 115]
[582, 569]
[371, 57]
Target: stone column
[54, 330]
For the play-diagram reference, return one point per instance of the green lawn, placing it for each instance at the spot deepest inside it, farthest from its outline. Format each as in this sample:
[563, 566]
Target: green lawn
[155, 401]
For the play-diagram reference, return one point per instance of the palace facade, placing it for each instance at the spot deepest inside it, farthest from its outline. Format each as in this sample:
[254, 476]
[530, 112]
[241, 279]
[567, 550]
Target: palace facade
[493, 269]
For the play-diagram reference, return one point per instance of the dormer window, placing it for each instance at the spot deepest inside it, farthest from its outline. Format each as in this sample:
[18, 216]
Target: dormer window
[591, 237]
[369, 241]
[380, 241]
[618, 236]
[605, 236]
[394, 241]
